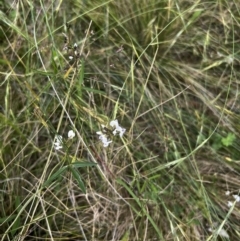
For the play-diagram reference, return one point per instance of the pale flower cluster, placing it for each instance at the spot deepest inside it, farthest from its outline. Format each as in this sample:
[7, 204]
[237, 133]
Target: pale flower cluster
[236, 197]
[117, 129]
[222, 232]
[103, 139]
[58, 140]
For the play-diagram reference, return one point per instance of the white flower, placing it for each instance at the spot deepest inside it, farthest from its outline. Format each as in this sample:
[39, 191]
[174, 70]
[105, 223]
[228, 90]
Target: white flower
[229, 59]
[58, 142]
[103, 127]
[237, 198]
[104, 139]
[118, 128]
[230, 204]
[227, 193]
[222, 232]
[71, 134]
[114, 123]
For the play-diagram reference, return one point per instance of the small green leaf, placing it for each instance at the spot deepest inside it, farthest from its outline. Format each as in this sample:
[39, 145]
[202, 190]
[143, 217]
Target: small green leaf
[81, 74]
[126, 236]
[217, 145]
[200, 138]
[17, 221]
[77, 176]
[83, 164]
[228, 141]
[196, 15]
[7, 218]
[55, 176]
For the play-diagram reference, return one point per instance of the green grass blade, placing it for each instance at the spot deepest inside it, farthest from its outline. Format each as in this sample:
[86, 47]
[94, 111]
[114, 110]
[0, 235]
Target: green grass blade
[55, 176]
[141, 205]
[77, 176]
[83, 164]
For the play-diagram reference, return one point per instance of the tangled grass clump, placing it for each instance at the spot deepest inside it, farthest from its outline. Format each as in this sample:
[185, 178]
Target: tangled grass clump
[164, 76]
